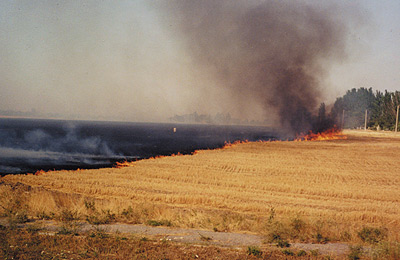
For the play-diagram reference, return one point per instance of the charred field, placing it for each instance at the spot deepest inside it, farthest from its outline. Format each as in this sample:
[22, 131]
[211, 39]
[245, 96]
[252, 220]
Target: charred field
[329, 191]
[30, 145]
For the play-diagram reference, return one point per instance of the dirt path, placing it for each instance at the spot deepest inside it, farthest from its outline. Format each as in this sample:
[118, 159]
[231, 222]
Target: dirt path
[183, 235]
[192, 236]
[188, 235]
[197, 236]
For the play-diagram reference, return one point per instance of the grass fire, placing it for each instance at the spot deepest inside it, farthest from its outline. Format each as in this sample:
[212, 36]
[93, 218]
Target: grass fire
[332, 189]
[199, 130]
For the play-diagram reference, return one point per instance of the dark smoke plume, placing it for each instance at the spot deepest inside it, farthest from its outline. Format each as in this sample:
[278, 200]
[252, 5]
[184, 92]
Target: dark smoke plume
[273, 53]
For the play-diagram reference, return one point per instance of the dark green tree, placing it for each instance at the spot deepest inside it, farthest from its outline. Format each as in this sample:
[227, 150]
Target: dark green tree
[354, 103]
[384, 110]
[323, 121]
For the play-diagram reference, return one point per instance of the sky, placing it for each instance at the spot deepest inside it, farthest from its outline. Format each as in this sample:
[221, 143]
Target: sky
[375, 62]
[126, 60]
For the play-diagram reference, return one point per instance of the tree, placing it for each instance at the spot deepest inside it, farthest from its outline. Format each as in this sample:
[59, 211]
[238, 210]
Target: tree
[354, 103]
[384, 110]
[323, 121]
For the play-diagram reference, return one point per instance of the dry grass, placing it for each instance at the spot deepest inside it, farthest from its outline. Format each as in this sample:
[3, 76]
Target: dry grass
[35, 244]
[335, 187]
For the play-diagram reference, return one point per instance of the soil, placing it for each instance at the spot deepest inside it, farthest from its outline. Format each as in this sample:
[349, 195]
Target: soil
[191, 236]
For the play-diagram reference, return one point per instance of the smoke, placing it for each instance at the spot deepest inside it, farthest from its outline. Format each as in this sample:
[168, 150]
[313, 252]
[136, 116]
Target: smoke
[22, 150]
[270, 54]
[69, 142]
[89, 60]
[150, 60]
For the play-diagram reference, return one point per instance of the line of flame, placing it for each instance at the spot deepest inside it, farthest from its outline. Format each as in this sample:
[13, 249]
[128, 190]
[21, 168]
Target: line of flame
[331, 134]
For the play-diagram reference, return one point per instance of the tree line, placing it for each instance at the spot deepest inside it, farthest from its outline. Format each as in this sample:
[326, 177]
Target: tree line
[381, 109]
[348, 111]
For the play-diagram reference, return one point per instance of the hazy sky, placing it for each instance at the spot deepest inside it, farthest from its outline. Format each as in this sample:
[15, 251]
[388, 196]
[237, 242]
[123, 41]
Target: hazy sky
[119, 60]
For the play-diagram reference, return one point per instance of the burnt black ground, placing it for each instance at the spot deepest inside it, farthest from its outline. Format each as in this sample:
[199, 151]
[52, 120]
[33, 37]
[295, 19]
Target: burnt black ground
[29, 145]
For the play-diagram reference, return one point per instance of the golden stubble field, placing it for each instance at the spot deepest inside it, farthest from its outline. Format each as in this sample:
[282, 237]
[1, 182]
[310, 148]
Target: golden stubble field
[331, 187]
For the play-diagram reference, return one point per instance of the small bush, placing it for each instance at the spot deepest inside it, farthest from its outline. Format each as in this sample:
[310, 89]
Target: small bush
[283, 243]
[355, 252]
[105, 217]
[17, 217]
[108, 216]
[288, 252]
[127, 212]
[278, 231]
[272, 214]
[67, 215]
[45, 216]
[372, 235]
[298, 225]
[319, 238]
[156, 223]
[277, 234]
[98, 233]
[301, 253]
[90, 205]
[274, 236]
[319, 228]
[254, 250]
[131, 215]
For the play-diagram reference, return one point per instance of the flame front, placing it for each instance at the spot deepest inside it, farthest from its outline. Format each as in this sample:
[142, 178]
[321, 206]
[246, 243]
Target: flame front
[330, 134]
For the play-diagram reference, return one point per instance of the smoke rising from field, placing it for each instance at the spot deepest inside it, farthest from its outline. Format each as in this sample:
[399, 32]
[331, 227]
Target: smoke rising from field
[30, 145]
[272, 53]
[22, 150]
[151, 60]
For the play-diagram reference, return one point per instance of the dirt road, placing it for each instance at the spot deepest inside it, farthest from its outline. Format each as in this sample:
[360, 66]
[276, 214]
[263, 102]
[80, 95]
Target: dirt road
[192, 236]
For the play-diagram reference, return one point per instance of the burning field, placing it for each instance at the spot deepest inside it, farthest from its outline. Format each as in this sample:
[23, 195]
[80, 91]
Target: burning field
[265, 69]
[332, 189]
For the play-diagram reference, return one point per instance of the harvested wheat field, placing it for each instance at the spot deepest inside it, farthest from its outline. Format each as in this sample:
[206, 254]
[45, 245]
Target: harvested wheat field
[309, 191]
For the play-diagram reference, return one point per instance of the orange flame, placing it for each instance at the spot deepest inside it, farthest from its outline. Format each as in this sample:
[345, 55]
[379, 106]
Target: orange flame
[229, 144]
[123, 164]
[41, 172]
[330, 134]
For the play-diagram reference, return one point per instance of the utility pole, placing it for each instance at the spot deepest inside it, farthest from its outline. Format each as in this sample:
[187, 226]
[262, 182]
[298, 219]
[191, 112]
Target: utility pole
[397, 119]
[366, 115]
